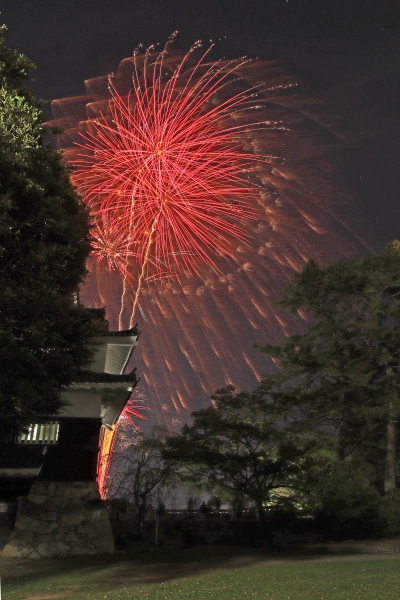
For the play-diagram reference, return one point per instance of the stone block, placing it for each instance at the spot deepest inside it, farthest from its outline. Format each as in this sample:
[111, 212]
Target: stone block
[44, 550]
[78, 502]
[29, 552]
[41, 539]
[73, 519]
[61, 549]
[21, 538]
[99, 529]
[51, 489]
[33, 554]
[93, 487]
[82, 530]
[63, 529]
[36, 498]
[39, 487]
[60, 502]
[71, 537]
[48, 516]
[70, 509]
[99, 515]
[34, 525]
[11, 551]
[52, 548]
[75, 492]
[61, 487]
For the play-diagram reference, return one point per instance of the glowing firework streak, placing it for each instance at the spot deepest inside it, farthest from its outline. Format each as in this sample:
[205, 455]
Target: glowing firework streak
[103, 465]
[146, 259]
[108, 437]
[164, 172]
[142, 313]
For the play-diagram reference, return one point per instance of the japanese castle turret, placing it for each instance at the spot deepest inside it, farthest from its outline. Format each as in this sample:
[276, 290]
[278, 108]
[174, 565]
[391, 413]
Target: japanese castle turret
[51, 470]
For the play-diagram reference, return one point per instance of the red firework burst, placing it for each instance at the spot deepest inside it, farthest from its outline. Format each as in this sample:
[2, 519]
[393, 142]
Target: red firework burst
[163, 169]
[109, 243]
[132, 410]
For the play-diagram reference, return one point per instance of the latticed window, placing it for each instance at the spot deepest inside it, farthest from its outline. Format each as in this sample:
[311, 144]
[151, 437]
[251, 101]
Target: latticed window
[41, 433]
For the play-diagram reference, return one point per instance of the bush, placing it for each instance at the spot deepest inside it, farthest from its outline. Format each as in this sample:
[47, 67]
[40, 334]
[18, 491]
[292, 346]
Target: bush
[389, 514]
[282, 509]
[348, 503]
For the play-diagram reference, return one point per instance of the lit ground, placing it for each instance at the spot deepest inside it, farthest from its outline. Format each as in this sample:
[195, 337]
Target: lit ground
[347, 571]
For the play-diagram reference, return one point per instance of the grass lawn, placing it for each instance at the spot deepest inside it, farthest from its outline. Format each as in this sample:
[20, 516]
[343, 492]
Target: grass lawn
[199, 573]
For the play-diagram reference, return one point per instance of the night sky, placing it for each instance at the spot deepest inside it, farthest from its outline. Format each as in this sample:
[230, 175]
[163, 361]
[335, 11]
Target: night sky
[351, 45]
[348, 53]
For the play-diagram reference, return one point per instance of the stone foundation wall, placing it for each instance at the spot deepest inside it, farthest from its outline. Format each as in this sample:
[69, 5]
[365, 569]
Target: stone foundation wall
[62, 518]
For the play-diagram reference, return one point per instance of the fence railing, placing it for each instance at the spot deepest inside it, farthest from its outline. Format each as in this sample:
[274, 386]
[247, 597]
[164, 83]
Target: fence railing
[222, 513]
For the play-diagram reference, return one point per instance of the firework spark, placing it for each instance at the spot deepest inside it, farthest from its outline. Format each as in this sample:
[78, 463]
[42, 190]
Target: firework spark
[132, 411]
[163, 169]
[201, 326]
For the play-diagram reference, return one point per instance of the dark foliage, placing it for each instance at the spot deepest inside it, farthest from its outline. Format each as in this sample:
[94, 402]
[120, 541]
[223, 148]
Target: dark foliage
[44, 242]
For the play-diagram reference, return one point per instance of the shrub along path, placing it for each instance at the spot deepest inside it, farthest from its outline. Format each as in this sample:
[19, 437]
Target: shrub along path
[226, 573]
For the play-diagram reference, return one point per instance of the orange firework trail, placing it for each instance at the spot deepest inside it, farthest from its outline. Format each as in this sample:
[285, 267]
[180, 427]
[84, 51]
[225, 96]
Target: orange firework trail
[106, 443]
[108, 437]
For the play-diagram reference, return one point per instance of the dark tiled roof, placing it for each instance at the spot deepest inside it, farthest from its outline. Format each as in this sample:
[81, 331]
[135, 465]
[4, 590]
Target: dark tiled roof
[107, 378]
[98, 313]
[92, 377]
[124, 333]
